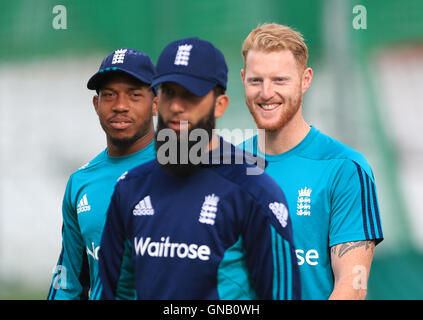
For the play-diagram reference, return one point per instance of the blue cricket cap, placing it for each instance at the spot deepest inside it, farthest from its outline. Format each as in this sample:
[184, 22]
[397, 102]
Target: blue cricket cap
[195, 64]
[133, 62]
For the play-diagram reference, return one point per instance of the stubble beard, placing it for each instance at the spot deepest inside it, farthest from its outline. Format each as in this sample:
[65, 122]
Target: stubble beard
[290, 107]
[126, 143]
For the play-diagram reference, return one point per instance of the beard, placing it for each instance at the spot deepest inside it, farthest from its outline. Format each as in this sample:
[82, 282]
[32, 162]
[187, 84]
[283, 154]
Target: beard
[184, 165]
[290, 107]
[127, 142]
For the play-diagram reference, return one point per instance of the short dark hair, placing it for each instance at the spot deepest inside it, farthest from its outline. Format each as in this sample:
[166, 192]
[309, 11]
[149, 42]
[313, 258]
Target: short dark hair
[218, 91]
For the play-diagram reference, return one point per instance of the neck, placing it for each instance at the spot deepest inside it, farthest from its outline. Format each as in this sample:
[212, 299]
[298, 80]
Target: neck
[214, 142]
[120, 151]
[285, 138]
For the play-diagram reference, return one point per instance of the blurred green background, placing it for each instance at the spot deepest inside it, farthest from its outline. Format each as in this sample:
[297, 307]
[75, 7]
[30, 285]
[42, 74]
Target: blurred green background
[367, 58]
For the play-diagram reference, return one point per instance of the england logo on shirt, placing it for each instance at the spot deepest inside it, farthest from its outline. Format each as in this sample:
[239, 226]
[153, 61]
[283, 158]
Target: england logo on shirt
[209, 209]
[304, 202]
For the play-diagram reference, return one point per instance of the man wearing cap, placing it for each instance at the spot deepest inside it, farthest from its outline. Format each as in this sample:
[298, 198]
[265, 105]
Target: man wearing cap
[197, 229]
[124, 105]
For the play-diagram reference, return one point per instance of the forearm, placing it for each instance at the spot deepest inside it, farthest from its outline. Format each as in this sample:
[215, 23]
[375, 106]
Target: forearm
[346, 290]
[351, 267]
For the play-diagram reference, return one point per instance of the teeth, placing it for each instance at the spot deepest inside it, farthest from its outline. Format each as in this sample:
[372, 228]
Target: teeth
[269, 106]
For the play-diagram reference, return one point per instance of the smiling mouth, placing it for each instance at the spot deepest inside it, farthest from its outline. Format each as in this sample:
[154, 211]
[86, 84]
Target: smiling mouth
[268, 106]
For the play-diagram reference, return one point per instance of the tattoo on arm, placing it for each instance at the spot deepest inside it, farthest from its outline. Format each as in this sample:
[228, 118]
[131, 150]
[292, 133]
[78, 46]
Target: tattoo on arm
[343, 248]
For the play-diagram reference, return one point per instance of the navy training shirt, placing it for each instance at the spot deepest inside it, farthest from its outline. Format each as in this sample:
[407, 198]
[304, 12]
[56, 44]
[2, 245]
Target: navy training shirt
[218, 233]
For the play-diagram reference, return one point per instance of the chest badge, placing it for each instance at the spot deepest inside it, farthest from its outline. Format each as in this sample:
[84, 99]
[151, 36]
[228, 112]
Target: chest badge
[304, 202]
[209, 209]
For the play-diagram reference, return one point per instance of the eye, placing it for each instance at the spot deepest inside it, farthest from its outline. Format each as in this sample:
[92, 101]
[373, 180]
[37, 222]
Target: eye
[136, 94]
[280, 80]
[107, 94]
[166, 91]
[254, 81]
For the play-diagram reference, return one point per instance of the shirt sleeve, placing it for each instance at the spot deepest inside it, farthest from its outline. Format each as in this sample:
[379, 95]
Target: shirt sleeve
[71, 278]
[126, 284]
[114, 255]
[270, 252]
[354, 212]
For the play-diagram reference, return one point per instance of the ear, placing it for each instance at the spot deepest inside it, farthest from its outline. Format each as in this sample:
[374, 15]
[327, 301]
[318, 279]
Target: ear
[307, 78]
[242, 75]
[95, 103]
[155, 105]
[222, 103]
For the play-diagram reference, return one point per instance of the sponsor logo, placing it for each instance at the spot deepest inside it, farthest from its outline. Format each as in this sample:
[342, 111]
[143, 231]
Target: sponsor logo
[94, 252]
[166, 249]
[84, 166]
[144, 208]
[311, 257]
[280, 211]
[83, 205]
[123, 176]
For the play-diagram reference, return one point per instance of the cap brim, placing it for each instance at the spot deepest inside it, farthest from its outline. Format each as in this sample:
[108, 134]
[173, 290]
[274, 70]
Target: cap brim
[94, 81]
[196, 86]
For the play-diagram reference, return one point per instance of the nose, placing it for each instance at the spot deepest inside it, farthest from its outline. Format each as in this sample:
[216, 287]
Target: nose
[267, 91]
[121, 104]
[176, 105]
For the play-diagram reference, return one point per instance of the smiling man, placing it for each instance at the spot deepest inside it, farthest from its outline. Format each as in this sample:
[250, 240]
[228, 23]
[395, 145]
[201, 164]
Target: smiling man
[125, 108]
[330, 187]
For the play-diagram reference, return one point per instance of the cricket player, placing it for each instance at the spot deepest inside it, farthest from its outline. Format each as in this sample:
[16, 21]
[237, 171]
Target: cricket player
[124, 105]
[330, 188]
[197, 230]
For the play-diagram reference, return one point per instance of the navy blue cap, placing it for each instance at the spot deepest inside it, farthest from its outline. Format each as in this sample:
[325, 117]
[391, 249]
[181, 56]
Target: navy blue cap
[195, 64]
[134, 62]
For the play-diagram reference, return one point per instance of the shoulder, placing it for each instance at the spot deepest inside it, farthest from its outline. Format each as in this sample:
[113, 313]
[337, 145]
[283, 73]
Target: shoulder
[139, 172]
[259, 197]
[133, 184]
[252, 181]
[325, 147]
[91, 165]
[246, 171]
[86, 171]
[266, 197]
[249, 145]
